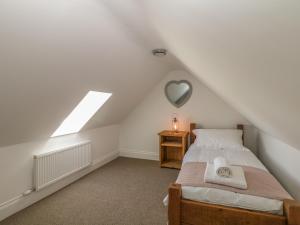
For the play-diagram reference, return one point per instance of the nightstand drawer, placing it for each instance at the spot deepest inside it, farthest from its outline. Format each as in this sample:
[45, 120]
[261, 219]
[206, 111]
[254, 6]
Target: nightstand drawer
[172, 144]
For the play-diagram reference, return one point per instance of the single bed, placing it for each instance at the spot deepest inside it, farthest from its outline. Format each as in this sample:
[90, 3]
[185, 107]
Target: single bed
[212, 206]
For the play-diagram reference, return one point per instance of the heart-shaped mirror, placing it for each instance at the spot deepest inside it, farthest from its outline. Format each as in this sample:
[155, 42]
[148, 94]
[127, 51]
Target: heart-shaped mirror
[178, 92]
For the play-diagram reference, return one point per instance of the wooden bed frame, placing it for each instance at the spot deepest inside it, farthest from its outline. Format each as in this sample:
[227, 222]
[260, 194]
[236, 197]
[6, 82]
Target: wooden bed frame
[188, 212]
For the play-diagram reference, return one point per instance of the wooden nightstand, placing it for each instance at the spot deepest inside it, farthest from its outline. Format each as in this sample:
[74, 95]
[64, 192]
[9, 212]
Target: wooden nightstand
[172, 147]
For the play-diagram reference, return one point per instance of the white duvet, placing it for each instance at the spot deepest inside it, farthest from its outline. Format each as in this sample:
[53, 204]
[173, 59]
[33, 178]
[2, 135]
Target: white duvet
[228, 198]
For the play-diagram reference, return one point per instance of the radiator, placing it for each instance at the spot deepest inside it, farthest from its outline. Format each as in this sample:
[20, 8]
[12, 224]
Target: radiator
[53, 166]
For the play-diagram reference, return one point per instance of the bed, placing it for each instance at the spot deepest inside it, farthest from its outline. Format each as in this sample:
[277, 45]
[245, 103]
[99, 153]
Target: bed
[189, 205]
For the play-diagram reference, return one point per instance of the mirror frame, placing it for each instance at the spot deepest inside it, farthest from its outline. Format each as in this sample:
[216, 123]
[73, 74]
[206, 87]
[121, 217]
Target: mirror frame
[178, 82]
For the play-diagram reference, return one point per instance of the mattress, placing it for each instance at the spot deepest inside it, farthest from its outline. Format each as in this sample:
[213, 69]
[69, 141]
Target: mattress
[228, 198]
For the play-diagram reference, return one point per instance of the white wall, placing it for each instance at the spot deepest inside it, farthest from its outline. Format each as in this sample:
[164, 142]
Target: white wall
[53, 52]
[138, 136]
[282, 160]
[16, 165]
[245, 51]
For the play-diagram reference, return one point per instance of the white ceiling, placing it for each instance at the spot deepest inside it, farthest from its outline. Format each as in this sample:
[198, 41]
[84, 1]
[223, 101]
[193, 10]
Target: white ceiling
[246, 51]
[54, 51]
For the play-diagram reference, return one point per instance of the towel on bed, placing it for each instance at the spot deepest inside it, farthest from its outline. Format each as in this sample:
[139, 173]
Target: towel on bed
[237, 179]
[222, 168]
[260, 182]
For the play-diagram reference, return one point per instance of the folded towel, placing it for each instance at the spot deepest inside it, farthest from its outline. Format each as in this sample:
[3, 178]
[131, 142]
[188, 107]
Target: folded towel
[237, 180]
[221, 167]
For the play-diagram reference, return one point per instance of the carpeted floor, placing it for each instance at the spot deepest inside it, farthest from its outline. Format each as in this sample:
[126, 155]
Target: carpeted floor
[123, 192]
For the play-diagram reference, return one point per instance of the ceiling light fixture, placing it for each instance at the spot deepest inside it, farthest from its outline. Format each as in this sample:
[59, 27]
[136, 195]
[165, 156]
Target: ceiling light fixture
[159, 52]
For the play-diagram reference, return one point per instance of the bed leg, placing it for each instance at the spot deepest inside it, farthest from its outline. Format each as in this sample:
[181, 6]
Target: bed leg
[292, 212]
[174, 204]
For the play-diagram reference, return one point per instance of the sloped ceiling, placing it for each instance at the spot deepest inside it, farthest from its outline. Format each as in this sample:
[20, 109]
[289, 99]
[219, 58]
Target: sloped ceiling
[52, 52]
[246, 51]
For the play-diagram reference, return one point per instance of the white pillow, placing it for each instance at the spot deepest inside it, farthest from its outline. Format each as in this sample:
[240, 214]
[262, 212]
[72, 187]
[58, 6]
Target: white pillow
[219, 138]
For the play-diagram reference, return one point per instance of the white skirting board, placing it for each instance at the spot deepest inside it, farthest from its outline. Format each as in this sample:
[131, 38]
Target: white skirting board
[139, 154]
[22, 202]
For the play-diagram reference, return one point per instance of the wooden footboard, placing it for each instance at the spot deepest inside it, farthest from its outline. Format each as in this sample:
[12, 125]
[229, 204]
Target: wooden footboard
[292, 212]
[187, 212]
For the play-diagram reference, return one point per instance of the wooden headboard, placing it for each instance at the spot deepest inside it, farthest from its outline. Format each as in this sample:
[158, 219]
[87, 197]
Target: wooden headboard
[193, 126]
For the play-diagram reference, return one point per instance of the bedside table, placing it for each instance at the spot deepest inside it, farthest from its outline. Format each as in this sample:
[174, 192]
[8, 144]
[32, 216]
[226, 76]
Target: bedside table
[172, 147]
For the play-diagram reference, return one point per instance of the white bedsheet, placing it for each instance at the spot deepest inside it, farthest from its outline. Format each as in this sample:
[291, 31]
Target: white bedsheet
[228, 198]
[233, 157]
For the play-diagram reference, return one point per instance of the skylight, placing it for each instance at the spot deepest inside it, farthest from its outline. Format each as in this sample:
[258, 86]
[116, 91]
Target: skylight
[82, 113]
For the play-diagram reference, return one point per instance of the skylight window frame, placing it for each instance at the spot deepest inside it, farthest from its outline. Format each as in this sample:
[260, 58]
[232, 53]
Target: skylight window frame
[82, 113]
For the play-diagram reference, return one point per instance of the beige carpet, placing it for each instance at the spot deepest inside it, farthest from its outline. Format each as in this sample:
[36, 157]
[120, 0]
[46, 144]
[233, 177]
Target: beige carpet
[125, 191]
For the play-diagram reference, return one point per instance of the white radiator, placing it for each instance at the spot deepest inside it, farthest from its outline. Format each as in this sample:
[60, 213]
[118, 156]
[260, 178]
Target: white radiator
[55, 165]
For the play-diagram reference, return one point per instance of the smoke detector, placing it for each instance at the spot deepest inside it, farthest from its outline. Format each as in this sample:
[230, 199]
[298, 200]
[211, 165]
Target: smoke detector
[160, 52]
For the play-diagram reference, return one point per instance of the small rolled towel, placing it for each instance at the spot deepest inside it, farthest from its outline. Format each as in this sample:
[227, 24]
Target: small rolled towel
[222, 168]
